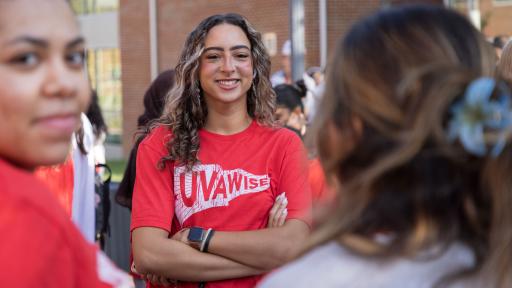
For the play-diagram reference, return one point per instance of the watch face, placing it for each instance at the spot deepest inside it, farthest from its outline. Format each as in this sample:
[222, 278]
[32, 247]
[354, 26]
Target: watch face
[195, 234]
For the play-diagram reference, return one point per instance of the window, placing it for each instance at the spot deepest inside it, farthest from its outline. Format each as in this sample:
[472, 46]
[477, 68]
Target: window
[104, 67]
[94, 6]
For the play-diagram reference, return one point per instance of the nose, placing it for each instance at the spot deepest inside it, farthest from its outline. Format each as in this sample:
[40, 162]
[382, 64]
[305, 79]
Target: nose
[60, 79]
[228, 65]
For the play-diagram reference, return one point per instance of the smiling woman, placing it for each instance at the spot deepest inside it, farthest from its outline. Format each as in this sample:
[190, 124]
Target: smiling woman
[217, 165]
[43, 91]
[212, 54]
[226, 68]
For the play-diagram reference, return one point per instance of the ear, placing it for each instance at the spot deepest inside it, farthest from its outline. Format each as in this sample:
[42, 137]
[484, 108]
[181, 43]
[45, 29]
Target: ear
[254, 74]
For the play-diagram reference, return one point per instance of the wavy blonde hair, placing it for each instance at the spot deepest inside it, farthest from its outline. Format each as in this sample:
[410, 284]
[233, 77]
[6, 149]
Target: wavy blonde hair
[382, 135]
[185, 109]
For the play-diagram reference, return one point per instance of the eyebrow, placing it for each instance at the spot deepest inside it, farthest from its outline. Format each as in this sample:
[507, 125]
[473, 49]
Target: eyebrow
[231, 49]
[75, 42]
[43, 43]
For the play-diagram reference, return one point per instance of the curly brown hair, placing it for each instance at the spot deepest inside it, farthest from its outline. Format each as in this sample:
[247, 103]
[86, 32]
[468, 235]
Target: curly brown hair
[185, 110]
[382, 135]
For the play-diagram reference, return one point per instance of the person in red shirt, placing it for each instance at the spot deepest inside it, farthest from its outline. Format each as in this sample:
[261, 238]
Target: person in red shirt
[209, 174]
[59, 179]
[43, 90]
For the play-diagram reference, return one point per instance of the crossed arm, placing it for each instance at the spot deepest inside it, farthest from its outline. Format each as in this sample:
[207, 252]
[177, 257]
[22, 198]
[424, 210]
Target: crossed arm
[231, 254]
[264, 249]
[154, 253]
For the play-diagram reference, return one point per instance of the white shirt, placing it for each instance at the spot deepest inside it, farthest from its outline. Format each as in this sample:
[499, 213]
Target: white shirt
[331, 265]
[83, 211]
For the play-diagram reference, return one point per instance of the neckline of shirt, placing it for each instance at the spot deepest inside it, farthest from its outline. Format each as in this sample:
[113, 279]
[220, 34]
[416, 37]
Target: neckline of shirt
[203, 133]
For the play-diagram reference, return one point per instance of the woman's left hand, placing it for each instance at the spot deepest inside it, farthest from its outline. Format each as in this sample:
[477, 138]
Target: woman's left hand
[278, 213]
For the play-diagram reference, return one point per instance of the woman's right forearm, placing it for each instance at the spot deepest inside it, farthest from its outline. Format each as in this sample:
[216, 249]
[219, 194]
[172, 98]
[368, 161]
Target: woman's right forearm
[154, 254]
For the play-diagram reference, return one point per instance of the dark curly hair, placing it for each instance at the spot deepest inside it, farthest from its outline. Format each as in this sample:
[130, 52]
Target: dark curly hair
[185, 111]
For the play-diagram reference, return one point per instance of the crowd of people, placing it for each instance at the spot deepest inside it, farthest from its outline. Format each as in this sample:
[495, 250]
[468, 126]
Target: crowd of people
[386, 169]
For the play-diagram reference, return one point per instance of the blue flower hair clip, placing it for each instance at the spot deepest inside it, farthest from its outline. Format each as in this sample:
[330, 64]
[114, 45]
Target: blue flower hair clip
[477, 118]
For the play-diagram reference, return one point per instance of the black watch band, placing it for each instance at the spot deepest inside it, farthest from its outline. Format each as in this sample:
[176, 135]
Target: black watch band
[206, 243]
[199, 238]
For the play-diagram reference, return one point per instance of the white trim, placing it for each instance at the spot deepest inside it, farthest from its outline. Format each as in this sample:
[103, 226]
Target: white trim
[203, 243]
[322, 17]
[153, 39]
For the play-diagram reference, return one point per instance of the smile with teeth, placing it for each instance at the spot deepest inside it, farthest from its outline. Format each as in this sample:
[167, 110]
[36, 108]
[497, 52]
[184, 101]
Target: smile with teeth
[228, 83]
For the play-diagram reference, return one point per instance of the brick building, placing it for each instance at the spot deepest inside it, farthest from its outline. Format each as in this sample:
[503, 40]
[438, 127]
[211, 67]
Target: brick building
[175, 19]
[152, 33]
[495, 15]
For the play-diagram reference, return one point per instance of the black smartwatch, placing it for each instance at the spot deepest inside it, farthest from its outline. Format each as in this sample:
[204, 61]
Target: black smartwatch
[199, 238]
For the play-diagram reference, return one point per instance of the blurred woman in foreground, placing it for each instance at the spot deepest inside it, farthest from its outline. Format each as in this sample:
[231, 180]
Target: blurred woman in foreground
[418, 135]
[43, 90]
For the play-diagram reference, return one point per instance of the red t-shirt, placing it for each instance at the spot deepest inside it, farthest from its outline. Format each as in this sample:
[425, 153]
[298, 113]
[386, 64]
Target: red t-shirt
[60, 180]
[232, 189]
[39, 246]
[322, 194]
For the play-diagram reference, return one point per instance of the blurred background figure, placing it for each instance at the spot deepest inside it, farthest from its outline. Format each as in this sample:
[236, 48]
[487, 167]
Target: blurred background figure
[420, 156]
[314, 82]
[289, 108]
[102, 172]
[73, 180]
[284, 76]
[290, 114]
[154, 100]
[83, 211]
[505, 62]
[99, 129]
[499, 42]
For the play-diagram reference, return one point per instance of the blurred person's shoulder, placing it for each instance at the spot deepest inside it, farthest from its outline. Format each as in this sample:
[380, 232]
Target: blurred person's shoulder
[21, 188]
[29, 210]
[38, 238]
[331, 265]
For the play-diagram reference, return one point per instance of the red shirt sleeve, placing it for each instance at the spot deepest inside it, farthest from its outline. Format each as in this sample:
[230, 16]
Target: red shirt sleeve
[293, 180]
[37, 252]
[153, 197]
[60, 180]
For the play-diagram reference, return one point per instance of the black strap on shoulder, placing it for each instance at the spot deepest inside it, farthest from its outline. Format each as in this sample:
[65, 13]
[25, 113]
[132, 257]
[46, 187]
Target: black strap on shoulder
[105, 202]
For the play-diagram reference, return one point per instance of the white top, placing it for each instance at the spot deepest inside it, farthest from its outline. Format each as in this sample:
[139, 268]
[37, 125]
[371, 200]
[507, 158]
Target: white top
[83, 211]
[331, 265]
[99, 148]
[278, 78]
